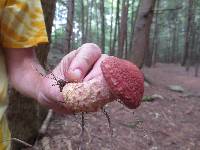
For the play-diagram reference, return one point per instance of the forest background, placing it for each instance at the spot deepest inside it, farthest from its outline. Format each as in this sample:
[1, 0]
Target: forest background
[146, 32]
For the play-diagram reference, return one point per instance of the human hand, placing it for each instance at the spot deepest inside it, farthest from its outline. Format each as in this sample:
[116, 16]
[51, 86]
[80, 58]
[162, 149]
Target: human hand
[104, 79]
[74, 67]
[100, 80]
[110, 79]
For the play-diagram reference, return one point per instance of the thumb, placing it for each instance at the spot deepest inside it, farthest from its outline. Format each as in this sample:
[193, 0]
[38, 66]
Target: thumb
[82, 63]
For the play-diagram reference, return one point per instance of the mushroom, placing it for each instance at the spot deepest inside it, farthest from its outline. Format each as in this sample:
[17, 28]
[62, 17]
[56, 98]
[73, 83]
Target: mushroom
[120, 79]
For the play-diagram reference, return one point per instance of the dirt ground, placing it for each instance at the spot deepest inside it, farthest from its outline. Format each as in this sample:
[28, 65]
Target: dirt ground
[171, 123]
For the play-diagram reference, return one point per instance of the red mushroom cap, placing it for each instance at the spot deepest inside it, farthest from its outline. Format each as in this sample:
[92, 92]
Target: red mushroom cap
[124, 79]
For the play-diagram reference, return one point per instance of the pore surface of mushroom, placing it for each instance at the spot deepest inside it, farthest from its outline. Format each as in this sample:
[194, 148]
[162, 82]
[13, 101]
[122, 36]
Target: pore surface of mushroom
[120, 79]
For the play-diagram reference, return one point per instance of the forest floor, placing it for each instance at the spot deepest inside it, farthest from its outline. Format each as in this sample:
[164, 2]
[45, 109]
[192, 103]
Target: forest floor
[168, 123]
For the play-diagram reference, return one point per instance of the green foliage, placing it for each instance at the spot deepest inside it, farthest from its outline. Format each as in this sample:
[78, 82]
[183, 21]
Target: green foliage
[61, 19]
[58, 34]
[147, 99]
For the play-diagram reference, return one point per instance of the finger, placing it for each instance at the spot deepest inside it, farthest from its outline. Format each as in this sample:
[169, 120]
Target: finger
[55, 99]
[61, 70]
[96, 70]
[88, 54]
[52, 104]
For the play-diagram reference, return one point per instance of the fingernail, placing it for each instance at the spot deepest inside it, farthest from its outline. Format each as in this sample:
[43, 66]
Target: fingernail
[77, 74]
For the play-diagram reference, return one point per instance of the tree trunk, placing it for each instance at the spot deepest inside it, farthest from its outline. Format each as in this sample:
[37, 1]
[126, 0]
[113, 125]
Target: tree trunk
[69, 28]
[24, 114]
[90, 21]
[97, 21]
[176, 40]
[151, 52]
[174, 37]
[111, 26]
[112, 51]
[142, 31]
[197, 62]
[155, 50]
[133, 18]
[123, 28]
[187, 34]
[87, 21]
[157, 39]
[83, 21]
[42, 51]
[191, 48]
[102, 25]
[191, 37]
[197, 52]
[196, 69]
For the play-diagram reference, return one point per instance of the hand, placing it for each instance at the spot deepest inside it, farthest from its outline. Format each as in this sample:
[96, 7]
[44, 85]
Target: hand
[77, 66]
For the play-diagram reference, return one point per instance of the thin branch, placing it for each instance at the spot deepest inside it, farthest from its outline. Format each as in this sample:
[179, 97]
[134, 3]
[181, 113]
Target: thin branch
[167, 9]
[22, 142]
[45, 124]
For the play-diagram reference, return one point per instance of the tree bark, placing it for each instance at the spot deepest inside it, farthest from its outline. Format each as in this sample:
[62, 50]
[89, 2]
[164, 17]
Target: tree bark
[90, 21]
[123, 28]
[24, 114]
[156, 42]
[133, 18]
[152, 52]
[111, 26]
[69, 28]
[192, 36]
[112, 51]
[197, 52]
[197, 61]
[197, 69]
[87, 21]
[42, 51]
[187, 34]
[142, 31]
[83, 21]
[97, 20]
[102, 25]
[175, 37]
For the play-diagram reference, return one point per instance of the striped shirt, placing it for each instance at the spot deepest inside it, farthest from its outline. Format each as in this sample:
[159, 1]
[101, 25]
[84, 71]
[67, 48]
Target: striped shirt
[21, 26]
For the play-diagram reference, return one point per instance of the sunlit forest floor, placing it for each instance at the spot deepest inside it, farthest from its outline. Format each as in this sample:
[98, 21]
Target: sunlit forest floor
[168, 123]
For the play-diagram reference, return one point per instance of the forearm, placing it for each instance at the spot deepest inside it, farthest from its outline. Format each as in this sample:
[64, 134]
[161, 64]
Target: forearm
[22, 68]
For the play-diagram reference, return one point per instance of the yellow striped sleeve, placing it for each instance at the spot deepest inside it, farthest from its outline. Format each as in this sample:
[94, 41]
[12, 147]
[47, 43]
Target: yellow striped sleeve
[22, 24]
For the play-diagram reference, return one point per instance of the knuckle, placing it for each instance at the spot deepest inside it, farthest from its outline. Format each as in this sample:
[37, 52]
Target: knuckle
[92, 46]
[67, 57]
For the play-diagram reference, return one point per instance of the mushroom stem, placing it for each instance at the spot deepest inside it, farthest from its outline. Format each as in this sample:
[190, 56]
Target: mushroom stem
[87, 96]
